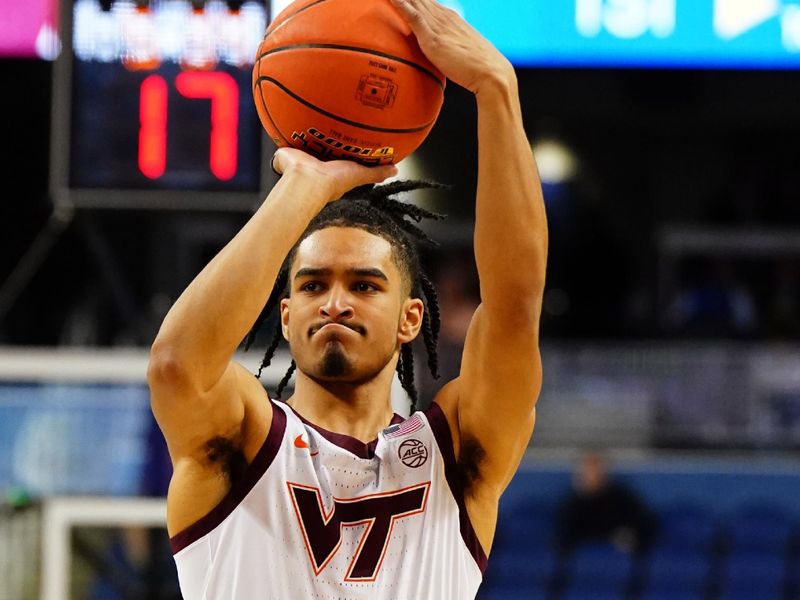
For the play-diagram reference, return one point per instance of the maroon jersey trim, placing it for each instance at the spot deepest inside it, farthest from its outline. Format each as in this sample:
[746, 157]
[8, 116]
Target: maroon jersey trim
[240, 489]
[441, 431]
[351, 444]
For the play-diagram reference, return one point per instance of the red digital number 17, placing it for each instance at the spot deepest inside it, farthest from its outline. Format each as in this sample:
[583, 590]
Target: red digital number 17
[218, 87]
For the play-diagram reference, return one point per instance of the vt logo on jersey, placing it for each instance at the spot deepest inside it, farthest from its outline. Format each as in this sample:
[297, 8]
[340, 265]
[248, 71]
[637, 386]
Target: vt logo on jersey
[322, 531]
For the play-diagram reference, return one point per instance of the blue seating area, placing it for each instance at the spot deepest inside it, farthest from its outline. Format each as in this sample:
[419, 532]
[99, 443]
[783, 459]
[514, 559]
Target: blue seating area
[745, 547]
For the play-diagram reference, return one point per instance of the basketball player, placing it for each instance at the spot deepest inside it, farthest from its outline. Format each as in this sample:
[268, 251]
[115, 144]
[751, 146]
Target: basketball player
[329, 495]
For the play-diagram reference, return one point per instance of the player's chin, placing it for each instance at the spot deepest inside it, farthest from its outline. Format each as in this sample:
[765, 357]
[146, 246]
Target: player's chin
[335, 362]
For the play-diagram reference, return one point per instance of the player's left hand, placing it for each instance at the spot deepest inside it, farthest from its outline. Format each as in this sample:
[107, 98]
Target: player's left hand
[336, 177]
[461, 53]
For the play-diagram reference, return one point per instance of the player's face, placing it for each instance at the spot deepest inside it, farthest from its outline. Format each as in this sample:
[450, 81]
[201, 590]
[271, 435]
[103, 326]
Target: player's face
[348, 310]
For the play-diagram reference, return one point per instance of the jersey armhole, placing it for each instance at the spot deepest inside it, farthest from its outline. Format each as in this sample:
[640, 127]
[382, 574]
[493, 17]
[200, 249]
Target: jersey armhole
[254, 472]
[444, 440]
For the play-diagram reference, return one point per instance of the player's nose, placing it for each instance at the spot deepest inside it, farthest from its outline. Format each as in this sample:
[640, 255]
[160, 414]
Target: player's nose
[337, 304]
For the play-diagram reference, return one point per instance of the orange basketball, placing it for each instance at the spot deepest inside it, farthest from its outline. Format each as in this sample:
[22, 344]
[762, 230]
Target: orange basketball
[346, 79]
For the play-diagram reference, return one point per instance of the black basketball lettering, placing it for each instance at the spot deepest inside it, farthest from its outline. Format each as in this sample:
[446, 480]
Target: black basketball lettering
[333, 142]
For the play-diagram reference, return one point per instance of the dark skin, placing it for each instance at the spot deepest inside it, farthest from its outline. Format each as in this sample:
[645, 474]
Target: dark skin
[199, 394]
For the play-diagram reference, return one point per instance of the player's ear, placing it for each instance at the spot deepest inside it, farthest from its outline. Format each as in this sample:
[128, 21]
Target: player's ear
[410, 320]
[285, 318]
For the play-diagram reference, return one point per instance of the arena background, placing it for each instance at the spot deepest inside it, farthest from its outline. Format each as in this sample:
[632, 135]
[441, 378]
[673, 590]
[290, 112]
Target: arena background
[666, 135]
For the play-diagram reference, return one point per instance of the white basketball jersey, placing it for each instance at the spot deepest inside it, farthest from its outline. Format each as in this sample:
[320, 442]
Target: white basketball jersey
[322, 515]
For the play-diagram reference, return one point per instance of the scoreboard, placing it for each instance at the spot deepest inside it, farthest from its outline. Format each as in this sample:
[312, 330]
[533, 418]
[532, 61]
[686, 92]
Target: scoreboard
[153, 105]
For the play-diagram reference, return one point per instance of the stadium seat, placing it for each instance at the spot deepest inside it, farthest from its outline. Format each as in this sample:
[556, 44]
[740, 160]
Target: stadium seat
[762, 528]
[531, 530]
[594, 591]
[763, 575]
[759, 592]
[671, 594]
[528, 570]
[668, 568]
[523, 561]
[687, 528]
[500, 593]
[527, 523]
[522, 506]
[600, 566]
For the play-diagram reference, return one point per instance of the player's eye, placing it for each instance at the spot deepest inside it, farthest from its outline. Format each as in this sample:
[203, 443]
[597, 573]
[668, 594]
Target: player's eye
[365, 286]
[311, 286]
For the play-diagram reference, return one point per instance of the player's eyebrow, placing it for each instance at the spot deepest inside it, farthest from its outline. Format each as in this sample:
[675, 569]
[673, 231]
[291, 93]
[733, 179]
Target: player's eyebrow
[309, 272]
[376, 273]
[361, 272]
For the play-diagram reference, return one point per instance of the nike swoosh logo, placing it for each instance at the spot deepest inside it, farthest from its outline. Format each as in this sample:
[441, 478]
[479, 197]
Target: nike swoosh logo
[299, 442]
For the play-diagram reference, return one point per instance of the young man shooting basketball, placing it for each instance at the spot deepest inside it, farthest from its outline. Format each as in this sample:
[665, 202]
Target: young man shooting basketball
[320, 496]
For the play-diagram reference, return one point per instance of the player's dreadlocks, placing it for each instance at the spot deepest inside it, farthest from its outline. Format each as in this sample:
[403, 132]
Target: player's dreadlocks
[375, 210]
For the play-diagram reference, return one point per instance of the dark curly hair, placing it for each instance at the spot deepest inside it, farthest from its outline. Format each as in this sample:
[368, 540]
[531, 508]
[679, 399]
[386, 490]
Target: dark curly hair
[375, 210]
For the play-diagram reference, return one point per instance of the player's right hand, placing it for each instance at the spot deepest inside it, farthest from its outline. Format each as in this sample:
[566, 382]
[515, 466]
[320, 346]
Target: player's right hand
[457, 49]
[337, 176]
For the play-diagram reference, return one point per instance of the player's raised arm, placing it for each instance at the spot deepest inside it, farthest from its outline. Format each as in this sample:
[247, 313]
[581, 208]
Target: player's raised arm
[196, 390]
[501, 368]
[500, 376]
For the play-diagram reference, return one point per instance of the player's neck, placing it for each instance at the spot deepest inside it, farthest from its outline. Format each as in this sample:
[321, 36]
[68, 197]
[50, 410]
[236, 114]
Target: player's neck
[359, 411]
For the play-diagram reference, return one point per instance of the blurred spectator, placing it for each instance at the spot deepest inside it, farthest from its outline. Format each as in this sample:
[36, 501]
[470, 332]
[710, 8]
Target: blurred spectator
[601, 509]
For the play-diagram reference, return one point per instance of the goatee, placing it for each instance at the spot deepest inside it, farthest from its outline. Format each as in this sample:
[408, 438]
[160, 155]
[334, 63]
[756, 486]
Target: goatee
[335, 363]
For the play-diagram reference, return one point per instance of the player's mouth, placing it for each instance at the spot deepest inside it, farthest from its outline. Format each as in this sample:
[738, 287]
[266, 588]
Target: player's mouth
[335, 325]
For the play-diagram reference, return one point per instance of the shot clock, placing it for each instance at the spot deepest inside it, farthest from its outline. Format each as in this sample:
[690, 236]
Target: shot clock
[153, 105]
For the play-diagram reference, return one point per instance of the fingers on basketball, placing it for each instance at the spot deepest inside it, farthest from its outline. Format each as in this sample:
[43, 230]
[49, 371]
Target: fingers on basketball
[410, 10]
[426, 17]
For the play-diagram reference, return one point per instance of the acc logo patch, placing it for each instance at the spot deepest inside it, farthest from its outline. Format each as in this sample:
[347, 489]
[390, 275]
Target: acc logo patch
[412, 453]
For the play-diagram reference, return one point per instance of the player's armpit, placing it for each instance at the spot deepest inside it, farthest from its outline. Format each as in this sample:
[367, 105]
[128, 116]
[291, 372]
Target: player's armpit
[212, 435]
[497, 389]
[235, 409]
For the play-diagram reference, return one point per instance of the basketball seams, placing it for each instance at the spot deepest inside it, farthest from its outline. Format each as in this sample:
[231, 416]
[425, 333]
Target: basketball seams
[264, 103]
[341, 119]
[269, 116]
[399, 59]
